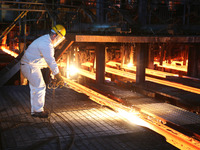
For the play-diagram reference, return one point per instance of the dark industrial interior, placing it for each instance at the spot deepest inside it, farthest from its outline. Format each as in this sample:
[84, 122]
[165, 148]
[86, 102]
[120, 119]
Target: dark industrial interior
[123, 62]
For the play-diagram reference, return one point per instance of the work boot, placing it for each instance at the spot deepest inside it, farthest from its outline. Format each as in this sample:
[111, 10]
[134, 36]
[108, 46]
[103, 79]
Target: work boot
[43, 114]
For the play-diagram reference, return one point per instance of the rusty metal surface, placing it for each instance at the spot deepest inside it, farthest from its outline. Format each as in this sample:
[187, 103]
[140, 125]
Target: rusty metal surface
[76, 122]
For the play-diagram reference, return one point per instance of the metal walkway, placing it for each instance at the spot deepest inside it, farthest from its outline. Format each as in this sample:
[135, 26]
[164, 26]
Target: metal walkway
[155, 108]
[76, 122]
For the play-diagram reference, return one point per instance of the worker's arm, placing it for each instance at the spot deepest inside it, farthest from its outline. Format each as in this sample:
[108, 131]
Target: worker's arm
[47, 50]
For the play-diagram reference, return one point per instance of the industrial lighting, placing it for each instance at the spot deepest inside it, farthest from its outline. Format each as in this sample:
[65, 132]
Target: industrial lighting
[102, 26]
[9, 52]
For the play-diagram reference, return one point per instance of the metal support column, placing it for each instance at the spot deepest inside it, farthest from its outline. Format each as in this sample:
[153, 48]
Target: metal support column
[142, 11]
[100, 11]
[162, 51]
[100, 63]
[122, 49]
[141, 50]
[193, 59]
[151, 56]
[198, 62]
[132, 54]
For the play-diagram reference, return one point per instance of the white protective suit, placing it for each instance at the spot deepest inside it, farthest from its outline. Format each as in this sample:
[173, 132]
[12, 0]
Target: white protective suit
[40, 54]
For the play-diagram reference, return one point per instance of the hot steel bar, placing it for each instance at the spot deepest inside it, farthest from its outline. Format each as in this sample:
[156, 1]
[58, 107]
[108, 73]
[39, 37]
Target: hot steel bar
[132, 76]
[89, 74]
[172, 136]
[148, 71]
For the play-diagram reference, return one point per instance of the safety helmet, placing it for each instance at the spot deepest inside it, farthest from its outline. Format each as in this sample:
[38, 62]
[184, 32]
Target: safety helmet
[60, 31]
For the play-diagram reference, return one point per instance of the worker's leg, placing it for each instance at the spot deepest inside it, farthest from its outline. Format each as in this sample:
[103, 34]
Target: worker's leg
[37, 98]
[37, 87]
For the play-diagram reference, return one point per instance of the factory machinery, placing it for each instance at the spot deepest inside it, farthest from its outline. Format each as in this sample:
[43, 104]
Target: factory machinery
[112, 41]
[171, 18]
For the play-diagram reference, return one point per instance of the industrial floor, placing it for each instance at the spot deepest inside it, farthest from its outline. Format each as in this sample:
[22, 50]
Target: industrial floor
[76, 123]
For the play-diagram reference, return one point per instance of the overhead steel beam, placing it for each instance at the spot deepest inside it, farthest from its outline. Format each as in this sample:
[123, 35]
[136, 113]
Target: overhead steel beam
[16, 9]
[14, 2]
[66, 46]
[137, 39]
[100, 63]
[35, 3]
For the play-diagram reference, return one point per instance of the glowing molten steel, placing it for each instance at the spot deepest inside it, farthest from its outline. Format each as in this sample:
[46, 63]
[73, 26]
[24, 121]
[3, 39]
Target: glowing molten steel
[73, 70]
[132, 117]
[172, 136]
[130, 65]
[174, 65]
[9, 51]
[132, 76]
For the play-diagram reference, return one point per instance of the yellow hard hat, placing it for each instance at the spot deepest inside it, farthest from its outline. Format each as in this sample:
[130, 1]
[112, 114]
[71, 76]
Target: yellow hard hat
[60, 30]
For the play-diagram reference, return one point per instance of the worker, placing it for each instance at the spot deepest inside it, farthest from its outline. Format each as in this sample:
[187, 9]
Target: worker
[40, 54]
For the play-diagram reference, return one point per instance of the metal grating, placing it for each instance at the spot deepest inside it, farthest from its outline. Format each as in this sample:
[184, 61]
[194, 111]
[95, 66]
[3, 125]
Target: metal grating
[188, 120]
[76, 122]
[172, 113]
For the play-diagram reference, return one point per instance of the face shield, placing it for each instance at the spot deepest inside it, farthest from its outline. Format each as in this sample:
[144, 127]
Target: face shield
[58, 39]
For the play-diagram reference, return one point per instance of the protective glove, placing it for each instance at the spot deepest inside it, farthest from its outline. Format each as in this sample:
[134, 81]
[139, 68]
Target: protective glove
[58, 77]
[57, 82]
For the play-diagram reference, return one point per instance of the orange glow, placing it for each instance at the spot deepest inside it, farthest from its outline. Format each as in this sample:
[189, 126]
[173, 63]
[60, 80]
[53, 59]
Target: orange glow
[9, 51]
[130, 65]
[16, 47]
[73, 70]
[147, 70]
[133, 118]
[90, 74]
[174, 65]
